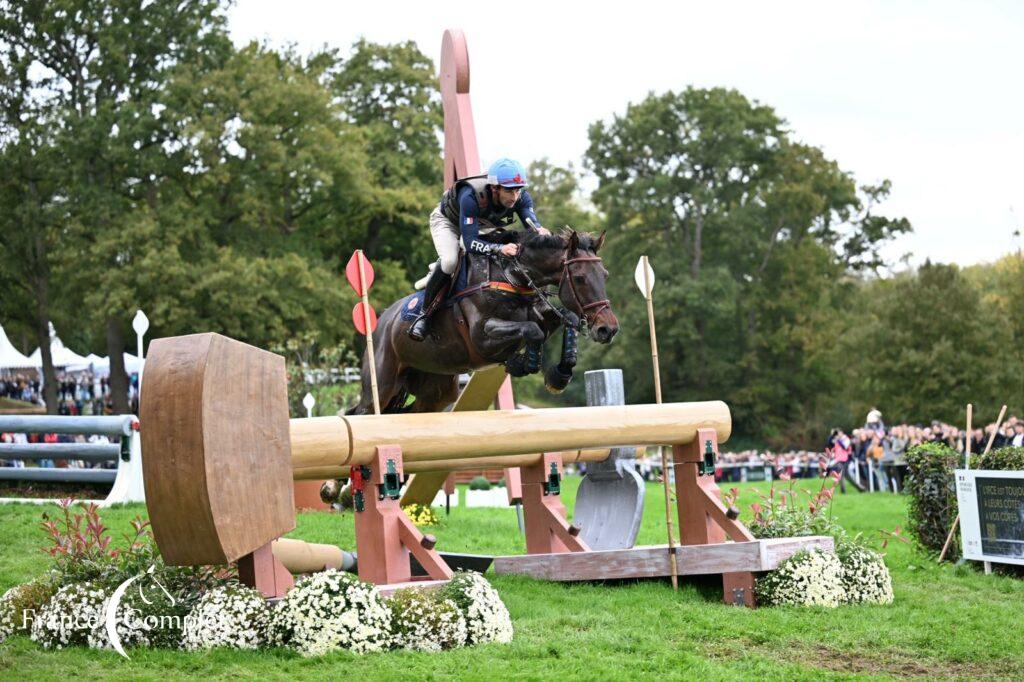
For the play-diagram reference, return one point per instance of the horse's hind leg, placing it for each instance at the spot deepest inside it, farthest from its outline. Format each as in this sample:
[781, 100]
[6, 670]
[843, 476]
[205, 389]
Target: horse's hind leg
[434, 392]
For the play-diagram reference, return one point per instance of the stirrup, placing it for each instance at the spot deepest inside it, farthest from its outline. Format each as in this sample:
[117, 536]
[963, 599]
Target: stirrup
[418, 330]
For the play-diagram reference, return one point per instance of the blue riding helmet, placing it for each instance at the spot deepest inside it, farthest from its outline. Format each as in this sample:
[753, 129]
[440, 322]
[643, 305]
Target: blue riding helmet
[507, 173]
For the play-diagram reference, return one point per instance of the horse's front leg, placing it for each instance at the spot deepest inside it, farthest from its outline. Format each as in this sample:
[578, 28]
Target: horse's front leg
[558, 376]
[502, 333]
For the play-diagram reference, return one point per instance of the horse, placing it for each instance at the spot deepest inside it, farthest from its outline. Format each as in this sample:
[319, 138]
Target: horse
[503, 316]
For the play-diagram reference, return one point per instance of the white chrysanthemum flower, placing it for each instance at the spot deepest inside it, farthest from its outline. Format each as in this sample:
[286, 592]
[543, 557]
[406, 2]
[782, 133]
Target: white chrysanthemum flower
[70, 616]
[8, 619]
[132, 628]
[427, 621]
[487, 619]
[231, 616]
[332, 610]
[866, 578]
[808, 578]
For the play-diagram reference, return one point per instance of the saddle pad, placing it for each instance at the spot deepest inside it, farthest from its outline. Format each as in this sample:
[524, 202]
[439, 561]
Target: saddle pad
[412, 305]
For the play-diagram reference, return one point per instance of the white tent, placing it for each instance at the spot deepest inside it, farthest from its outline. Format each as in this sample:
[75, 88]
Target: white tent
[101, 366]
[11, 357]
[62, 356]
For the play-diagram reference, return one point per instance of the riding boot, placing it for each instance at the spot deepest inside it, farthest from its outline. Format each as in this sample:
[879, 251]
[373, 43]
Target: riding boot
[435, 285]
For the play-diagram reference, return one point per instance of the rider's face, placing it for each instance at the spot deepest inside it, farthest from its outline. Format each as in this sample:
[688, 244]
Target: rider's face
[508, 196]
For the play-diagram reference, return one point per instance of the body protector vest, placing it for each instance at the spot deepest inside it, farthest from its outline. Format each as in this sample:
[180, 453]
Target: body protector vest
[489, 217]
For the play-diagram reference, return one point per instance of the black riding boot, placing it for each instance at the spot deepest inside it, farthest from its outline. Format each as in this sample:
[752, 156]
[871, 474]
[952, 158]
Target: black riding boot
[437, 282]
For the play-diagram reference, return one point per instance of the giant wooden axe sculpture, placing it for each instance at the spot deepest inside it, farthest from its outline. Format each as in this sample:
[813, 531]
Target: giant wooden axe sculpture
[220, 454]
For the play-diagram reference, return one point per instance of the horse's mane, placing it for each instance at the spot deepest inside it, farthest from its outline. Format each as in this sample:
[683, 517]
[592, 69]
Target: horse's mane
[530, 239]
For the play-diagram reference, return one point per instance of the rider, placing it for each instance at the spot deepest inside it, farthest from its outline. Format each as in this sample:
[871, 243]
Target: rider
[472, 206]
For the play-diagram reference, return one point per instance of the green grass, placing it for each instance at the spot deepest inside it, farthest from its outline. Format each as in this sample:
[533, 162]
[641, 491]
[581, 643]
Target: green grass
[946, 621]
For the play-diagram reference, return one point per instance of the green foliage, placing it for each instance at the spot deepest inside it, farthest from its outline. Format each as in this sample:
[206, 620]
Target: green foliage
[20, 603]
[930, 487]
[1003, 459]
[751, 234]
[928, 344]
[790, 512]
[219, 188]
[479, 483]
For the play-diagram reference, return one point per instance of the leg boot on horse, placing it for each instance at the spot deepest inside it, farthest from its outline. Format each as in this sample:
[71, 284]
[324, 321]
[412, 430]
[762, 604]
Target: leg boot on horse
[431, 301]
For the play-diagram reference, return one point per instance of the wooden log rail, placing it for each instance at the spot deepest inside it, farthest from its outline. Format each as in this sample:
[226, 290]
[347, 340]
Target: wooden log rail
[326, 447]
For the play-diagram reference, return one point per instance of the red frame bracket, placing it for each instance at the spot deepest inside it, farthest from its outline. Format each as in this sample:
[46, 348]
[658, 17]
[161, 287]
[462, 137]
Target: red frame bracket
[703, 519]
[547, 531]
[384, 534]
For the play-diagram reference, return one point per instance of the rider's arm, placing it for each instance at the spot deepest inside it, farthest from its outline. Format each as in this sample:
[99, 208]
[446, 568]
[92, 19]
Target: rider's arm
[469, 224]
[524, 209]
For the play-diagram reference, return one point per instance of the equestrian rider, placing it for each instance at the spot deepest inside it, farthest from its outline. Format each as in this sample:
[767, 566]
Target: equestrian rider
[468, 208]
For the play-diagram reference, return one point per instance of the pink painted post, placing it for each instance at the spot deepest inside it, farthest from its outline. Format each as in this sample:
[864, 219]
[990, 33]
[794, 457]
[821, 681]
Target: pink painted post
[384, 534]
[703, 519]
[547, 531]
[263, 571]
[461, 160]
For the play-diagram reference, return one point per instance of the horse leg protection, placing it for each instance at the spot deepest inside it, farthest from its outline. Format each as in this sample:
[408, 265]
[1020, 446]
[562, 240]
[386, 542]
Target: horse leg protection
[514, 365]
[533, 356]
[557, 377]
[527, 362]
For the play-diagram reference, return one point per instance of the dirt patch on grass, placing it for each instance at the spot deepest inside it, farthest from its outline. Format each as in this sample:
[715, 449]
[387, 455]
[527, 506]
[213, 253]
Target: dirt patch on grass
[78, 491]
[895, 662]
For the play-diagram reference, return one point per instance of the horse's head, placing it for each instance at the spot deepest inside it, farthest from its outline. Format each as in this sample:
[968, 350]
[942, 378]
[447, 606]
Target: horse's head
[571, 261]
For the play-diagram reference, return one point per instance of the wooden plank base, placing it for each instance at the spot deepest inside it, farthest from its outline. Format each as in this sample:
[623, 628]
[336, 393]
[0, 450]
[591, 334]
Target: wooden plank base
[653, 561]
[390, 589]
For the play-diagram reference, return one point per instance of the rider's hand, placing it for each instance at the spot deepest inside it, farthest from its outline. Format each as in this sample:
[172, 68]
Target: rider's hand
[509, 250]
[544, 230]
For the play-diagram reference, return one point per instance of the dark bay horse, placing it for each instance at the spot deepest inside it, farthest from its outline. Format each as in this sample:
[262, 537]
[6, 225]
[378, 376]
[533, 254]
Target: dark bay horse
[505, 318]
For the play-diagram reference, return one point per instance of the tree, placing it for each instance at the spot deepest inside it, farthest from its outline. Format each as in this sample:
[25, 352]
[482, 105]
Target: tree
[557, 197]
[391, 93]
[30, 208]
[751, 235]
[100, 68]
[925, 346]
[277, 193]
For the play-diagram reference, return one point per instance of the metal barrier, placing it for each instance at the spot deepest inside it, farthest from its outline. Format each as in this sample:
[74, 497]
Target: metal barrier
[126, 478]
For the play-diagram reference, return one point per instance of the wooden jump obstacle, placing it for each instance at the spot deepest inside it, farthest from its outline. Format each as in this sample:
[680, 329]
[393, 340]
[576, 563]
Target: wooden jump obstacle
[221, 455]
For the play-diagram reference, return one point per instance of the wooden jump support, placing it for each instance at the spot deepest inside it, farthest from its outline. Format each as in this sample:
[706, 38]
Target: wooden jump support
[221, 455]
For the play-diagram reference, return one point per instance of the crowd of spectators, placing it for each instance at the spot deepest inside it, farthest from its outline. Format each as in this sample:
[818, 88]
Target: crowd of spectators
[80, 393]
[20, 387]
[872, 457]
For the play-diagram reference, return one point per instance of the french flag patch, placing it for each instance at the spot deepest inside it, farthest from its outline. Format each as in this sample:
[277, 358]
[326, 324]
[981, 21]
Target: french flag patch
[469, 220]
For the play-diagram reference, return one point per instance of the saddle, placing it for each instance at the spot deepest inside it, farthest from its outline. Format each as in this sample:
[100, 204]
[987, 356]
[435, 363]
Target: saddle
[460, 288]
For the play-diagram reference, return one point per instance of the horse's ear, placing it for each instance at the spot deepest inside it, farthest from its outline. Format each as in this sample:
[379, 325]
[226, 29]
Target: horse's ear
[600, 242]
[574, 241]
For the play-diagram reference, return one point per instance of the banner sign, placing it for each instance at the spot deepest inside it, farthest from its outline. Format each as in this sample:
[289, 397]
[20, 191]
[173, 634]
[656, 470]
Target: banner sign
[991, 514]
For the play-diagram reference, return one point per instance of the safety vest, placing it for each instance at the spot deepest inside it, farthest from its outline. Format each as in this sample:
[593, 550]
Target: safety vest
[489, 218]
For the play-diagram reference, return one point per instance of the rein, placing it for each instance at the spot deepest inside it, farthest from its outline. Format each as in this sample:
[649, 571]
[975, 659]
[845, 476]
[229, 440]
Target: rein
[566, 274]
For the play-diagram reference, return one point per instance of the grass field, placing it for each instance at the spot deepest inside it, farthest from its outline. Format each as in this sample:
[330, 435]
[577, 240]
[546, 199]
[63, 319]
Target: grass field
[947, 622]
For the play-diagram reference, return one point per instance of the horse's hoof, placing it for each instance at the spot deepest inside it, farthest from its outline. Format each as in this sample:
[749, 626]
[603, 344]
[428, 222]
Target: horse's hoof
[556, 379]
[330, 491]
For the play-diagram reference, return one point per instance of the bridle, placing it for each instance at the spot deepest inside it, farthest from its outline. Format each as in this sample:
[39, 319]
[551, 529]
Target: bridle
[589, 311]
[567, 275]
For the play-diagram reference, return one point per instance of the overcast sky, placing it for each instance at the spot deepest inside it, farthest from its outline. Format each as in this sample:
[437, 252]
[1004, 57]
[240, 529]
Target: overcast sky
[927, 94]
